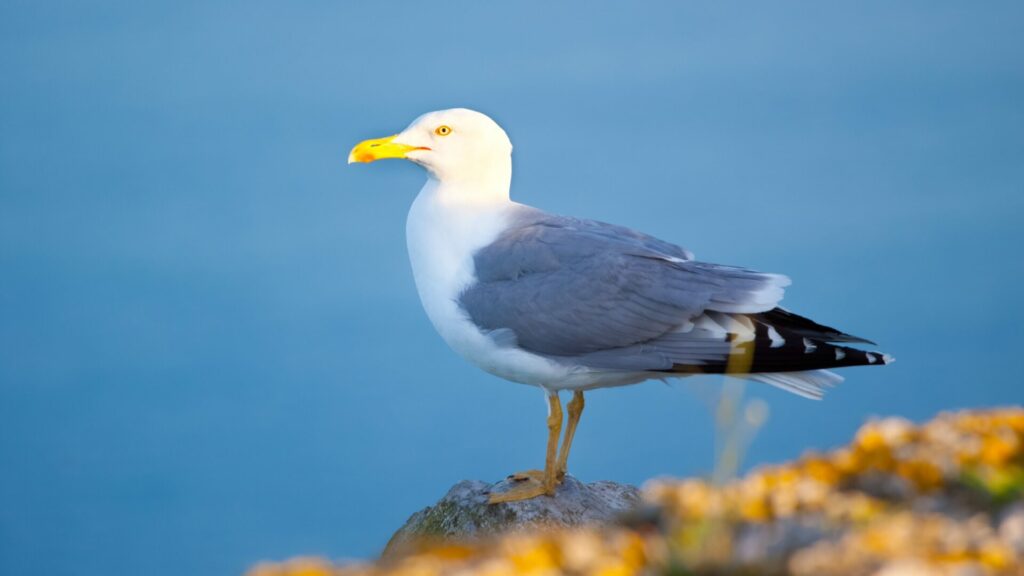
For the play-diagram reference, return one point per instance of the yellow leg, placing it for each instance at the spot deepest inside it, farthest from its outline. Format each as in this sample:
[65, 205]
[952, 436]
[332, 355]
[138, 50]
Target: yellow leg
[533, 483]
[575, 410]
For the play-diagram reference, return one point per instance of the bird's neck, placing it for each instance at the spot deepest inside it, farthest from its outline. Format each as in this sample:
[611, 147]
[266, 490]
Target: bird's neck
[487, 183]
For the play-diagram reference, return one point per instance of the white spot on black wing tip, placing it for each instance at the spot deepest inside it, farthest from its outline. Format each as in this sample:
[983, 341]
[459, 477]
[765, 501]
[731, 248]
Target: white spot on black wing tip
[871, 357]
[809, 346]
[840, 354]
[886, 359]
[777, 340]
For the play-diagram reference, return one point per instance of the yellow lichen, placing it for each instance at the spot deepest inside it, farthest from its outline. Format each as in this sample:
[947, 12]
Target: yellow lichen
[701, 521]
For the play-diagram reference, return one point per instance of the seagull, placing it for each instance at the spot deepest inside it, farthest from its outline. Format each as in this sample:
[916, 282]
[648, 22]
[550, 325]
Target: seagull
[569, 304]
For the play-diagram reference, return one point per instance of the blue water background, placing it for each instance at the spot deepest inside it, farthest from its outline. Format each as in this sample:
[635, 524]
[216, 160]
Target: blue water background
[211, 348]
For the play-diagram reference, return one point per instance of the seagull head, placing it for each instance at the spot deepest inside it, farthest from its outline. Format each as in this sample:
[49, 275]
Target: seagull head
[455, 146]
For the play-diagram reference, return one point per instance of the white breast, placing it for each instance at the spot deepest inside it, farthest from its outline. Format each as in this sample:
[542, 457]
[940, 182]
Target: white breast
[443, 232]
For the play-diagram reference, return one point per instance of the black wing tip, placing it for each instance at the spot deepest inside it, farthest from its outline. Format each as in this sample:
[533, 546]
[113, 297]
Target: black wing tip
[851, 339]
[782, 318]
[807, 355]
[845, 356]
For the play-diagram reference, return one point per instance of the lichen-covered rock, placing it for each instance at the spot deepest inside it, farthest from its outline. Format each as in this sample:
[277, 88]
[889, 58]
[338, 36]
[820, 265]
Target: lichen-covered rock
[942, 498]
[1011, 527]
[465, 513]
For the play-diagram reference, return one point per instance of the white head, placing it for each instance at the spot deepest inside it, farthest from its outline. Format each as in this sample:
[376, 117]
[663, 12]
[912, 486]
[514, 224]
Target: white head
[458, 147]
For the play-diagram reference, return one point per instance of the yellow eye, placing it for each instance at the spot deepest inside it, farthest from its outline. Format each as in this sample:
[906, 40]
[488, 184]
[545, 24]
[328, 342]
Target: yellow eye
[443, 130]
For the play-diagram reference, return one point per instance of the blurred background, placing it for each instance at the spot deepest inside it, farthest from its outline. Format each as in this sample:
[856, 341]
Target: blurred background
[211, 348]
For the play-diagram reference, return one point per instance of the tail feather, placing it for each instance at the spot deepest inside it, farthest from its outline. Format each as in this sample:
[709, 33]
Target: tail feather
[810, 384]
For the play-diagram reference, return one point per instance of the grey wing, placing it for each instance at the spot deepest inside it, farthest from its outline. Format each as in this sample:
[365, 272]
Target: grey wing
[568, 287]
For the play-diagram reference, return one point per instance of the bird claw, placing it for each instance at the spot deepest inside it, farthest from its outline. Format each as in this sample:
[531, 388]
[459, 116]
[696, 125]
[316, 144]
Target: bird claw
[525, 489]
[525, 485]
[537, 475]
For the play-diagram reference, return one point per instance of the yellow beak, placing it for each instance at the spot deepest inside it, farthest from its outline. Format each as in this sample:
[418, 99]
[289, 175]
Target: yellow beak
[380, 148]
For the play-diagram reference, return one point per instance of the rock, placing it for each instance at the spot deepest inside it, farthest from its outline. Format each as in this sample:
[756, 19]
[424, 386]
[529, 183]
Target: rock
[465, 513]
[769, 545]
[1011, 527]
[944, 497]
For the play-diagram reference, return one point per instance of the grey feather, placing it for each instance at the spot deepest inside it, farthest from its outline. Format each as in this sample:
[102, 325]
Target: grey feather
[695, 348]
[569, 287]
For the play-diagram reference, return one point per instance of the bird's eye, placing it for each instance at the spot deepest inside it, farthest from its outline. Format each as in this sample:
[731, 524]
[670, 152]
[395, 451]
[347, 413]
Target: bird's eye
[443, 130]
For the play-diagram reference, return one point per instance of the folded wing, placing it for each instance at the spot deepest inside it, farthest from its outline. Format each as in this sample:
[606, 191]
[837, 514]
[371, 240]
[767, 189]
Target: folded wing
[569, 287]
